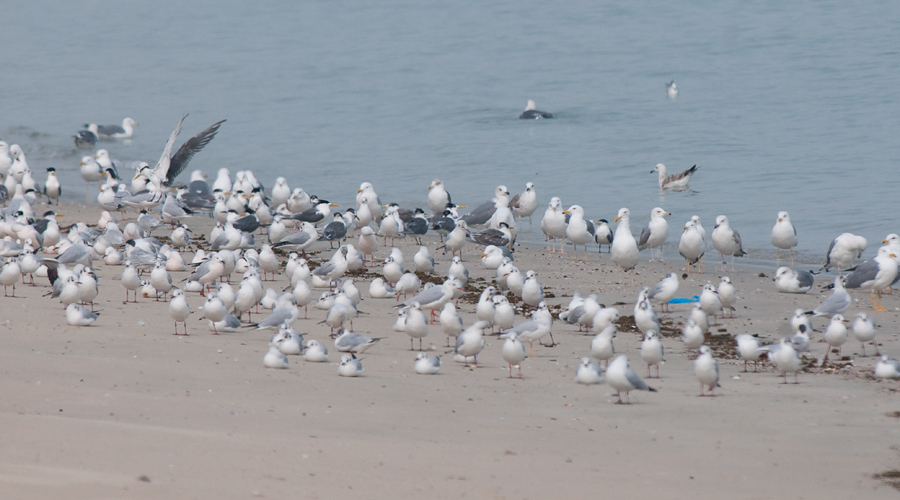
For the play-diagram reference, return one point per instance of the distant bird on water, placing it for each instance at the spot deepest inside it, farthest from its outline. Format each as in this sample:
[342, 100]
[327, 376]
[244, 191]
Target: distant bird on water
[672, 90]
[532, 114]
[674, 182]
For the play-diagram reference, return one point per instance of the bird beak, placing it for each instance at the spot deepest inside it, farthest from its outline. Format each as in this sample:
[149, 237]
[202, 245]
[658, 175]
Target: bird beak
[565, 211]
[616, 219]
[884, 241]
[462, 206]
[60, 215]
[668, 213]
[431, 186]
[333, 205]
[359, 190]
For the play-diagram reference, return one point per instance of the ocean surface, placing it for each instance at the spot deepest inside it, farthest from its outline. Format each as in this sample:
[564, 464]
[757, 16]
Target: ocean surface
[783, 105]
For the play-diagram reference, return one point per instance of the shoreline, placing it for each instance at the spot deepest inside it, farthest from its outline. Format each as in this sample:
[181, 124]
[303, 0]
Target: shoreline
[198, 416]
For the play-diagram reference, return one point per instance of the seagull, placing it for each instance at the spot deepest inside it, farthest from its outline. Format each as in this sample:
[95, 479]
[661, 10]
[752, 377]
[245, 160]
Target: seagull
[727, 241]
[451, 322]
[578, 230]
[77, 315]
[532, 292]
[692, 246]
[179, 309]
[335, 268]
[481, 214]
[836, 303]
[427, 365]
[672, 90]
[525, 203]
[836, 334]
[501, 237]
[674, 182]
[438, 197]
[624, 247]
[788, 280]
[348, 341]
[124, 131]
[315, 352]
[532, 114]
[299, 241]
[602, 348]
[864, 330]
[588, 372]
[727, 295]
[275, 358]
[748, 349]
[171, 165]
[655, 232]
[214, 310]
[291, 342]
[433, 298]
[652, 352]
[350, 366]
[710, 302]
[843, 249]
[470, 341]
[554, 224]
[786, 360]
[535, 328]
[707, 370]
[621, 377]
[784, 236]
[513, 352]
[85, 139]
[875, 275]
[692, 334]
[887, 368]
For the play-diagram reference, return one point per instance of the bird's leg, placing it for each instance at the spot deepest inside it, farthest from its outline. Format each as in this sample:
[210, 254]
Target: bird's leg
[520, 372]
[792, 257]
[877, 352]
[531, 346]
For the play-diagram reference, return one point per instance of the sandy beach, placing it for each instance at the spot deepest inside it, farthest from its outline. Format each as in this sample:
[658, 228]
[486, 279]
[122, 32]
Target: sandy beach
[126, 409]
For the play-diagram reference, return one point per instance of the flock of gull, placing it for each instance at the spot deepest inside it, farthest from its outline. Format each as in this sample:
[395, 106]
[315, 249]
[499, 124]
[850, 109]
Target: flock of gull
[291, 222]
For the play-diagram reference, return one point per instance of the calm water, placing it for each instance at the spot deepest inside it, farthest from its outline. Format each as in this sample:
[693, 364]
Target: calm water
[784, 106]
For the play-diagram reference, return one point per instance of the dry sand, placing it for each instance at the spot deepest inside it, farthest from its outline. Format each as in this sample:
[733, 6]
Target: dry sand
[124, 409]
